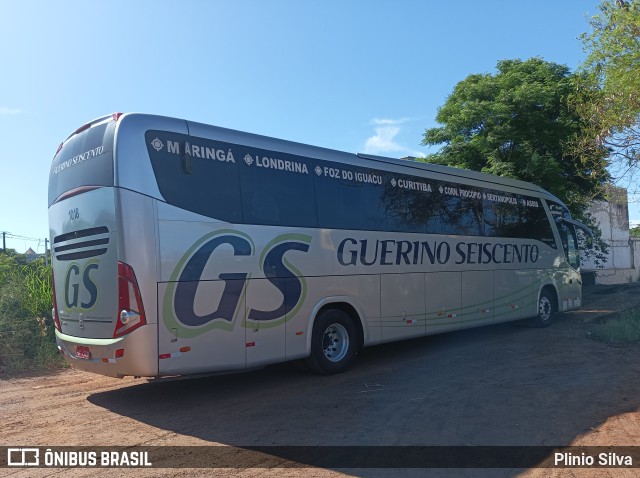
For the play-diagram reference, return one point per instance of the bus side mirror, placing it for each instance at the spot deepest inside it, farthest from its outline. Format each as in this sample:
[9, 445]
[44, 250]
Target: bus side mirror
[586, 234]
[186, 161]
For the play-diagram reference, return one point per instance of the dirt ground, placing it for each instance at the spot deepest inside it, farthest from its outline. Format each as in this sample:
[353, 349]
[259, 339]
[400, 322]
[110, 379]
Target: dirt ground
[505, 384]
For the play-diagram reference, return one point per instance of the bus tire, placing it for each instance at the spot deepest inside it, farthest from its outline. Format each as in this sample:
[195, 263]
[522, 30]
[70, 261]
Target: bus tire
[333, 343]
[546, 310]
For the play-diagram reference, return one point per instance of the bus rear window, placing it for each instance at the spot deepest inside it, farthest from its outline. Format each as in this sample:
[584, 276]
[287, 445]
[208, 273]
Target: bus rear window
[86, 159]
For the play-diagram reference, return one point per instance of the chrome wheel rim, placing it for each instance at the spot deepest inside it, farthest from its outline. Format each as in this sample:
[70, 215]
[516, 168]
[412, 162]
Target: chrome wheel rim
[335, 342]
[544, 309]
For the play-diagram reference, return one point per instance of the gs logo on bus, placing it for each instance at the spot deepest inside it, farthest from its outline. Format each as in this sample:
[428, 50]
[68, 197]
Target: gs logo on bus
[180, 296]
[80, 291]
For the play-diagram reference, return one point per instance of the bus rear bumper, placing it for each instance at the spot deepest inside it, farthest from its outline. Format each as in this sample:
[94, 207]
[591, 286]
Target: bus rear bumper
[134, 354]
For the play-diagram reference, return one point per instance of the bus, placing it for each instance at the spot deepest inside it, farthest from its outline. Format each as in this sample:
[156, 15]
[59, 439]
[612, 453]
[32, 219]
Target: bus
[182, 248]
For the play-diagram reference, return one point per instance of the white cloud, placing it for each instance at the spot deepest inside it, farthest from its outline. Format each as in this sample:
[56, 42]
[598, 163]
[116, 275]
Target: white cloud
[384, 139]
[388, 121]
[10, 111]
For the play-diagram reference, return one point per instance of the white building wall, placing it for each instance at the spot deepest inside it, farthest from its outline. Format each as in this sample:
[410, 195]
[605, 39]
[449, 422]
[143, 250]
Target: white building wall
[613, 219]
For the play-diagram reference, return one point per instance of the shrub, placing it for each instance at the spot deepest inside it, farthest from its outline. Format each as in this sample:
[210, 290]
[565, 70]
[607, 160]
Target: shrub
[27, 336]
[624, 329]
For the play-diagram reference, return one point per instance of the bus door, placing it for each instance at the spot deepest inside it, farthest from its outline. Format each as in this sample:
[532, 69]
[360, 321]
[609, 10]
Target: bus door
[570, 294]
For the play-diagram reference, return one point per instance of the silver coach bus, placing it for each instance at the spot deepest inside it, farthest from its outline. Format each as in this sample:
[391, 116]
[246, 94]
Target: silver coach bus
[182, 248]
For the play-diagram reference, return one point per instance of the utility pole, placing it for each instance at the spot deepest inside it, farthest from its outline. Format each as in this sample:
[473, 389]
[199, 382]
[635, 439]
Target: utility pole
[46, 255]
[4, 244]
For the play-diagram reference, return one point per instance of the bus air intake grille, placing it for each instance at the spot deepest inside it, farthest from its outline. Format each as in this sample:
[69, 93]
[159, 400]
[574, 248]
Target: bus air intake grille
[81, 244]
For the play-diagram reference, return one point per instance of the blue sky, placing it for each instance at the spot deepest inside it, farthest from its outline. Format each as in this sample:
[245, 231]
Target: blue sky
[358, 76]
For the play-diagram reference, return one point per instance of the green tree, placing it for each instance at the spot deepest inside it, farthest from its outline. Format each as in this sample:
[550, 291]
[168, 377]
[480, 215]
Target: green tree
[516, 123]
[608, 97]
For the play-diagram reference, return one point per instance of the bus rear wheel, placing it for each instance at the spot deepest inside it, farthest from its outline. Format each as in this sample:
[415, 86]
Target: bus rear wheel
[546, 310]
[333, 343]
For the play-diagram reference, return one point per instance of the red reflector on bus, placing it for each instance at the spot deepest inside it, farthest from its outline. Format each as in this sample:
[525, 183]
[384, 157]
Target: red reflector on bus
[119, 353]
[58, 150]
[250, 344]
[164, 356]
[83, 128]
[299, 332]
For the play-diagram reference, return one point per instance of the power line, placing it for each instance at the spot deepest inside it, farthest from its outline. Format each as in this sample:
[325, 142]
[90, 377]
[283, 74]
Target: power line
[19, 237]
[24, 238]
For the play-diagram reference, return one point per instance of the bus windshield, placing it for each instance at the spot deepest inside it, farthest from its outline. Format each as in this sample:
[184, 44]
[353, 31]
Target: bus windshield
[85, 159]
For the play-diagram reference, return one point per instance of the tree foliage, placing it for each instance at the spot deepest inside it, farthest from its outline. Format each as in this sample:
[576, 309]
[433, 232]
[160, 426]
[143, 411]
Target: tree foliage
[608, 95]
[516, 123]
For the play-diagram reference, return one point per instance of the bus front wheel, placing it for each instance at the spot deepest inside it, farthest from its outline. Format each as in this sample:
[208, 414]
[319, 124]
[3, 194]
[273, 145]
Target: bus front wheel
[546, 309]
[333, 343]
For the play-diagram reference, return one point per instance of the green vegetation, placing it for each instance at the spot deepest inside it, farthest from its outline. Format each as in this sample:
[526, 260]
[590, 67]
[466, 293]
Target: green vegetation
[27, 339]
[571, 133]
[516, 123]
[620, 330]
[608, 97]
[519, 123]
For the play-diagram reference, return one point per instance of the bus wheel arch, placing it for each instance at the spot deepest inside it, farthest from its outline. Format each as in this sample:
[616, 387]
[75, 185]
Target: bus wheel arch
[336, 336]
[547, 307]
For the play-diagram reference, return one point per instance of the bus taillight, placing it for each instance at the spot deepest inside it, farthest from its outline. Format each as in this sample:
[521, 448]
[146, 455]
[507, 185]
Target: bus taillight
[130, 309]
[54, 312]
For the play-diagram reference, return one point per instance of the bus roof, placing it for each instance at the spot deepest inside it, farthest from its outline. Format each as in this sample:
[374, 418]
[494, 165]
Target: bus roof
[267, 142]
[413, 163]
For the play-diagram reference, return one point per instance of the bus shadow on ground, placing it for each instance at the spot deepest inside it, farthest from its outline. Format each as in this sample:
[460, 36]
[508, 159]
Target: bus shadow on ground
[498, 385]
